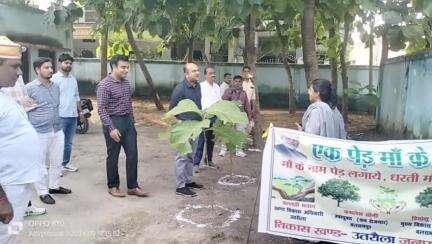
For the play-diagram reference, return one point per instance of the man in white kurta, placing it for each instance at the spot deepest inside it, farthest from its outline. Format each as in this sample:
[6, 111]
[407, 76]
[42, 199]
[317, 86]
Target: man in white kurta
[19, 148]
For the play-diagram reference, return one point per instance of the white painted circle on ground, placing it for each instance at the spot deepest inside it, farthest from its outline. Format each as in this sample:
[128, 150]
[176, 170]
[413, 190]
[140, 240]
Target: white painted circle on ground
[236, 180]
[231, 216]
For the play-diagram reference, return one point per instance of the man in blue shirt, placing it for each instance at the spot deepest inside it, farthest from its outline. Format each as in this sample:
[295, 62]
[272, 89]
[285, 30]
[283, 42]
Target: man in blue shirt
[189, 88]
[70, 108]
[45, 119]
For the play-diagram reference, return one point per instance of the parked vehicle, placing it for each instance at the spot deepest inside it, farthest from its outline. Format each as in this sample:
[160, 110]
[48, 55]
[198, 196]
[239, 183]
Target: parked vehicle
[86, 108]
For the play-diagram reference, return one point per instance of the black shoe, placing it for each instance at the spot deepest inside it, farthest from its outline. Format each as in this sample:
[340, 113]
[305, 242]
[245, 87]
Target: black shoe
[212, 165]
[60, 190]
[185, 191]
[47, 199]
[194, 185]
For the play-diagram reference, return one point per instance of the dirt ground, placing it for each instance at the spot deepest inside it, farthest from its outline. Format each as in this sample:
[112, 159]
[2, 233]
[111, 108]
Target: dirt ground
[219, 214]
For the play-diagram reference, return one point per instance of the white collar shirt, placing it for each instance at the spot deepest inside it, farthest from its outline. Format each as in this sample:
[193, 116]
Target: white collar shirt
[210, 94]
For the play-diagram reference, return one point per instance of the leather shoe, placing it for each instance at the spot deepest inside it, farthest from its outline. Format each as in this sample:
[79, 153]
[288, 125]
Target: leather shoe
[137, 191]
[60, 190]
[115, 192]
[47, 199]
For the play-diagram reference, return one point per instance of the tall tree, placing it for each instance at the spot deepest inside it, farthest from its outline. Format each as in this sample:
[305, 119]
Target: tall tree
[348, 20]
[333, 59]
[233, 15]
[284, 19]
[116, 17]
[185, 21]
[104, 53]
[308, 40]
[250, 57]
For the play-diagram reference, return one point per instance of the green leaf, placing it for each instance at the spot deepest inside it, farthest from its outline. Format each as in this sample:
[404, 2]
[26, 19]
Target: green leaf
[228, 112]
[396, 38]
[427, 8]
[229, 135]
[150, 4]
[412, 31]
[392, 17]
[185, 105]
[257, 2]
[368, 5]
[182, 133]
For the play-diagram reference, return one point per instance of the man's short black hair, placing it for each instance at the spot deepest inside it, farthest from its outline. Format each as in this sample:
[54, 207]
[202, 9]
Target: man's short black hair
[117, 58]
[65, 56]
[226, 74]
[237, 77]
[246, 67]
[39, 62]
[208, 67]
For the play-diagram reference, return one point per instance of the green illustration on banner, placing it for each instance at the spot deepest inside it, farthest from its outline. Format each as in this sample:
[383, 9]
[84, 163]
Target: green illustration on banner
[387, 201]
[339, 190]
[424, 198]
[297, 188]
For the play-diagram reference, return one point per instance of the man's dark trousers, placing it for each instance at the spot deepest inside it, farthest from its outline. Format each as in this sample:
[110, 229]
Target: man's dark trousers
[209, 141]
[128, 140]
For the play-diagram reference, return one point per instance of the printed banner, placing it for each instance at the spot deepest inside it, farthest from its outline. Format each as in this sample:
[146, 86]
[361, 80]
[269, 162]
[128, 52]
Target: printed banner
[344, 191]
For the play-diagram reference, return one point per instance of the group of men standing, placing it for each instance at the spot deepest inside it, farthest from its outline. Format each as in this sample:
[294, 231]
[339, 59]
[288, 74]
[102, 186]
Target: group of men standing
[37, 125]
[38, 122]
[204, 95]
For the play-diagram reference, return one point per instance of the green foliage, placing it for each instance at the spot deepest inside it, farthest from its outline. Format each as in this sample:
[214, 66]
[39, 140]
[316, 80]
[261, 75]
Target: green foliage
[184, 106]
[424, 6]
[118, 43]
[370, 94]
[63, 16]
[227, 134]
[424, 198]
[339, 190]
[226, 112]
[182, 133]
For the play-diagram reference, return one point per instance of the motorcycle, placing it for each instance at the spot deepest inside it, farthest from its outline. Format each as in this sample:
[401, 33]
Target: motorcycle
[86, 108]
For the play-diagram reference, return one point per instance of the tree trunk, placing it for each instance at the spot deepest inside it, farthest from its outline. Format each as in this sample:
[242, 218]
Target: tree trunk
[384, 57]
[308, 41]
[190, 50]
[347, 26]
[291, 94]
[371, 26]
[250, 56]
[143, 67]
[104, 53]
[334, 62]
[338, 203]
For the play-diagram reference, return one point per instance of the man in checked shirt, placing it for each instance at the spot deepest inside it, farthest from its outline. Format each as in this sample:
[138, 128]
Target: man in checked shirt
[114, 96]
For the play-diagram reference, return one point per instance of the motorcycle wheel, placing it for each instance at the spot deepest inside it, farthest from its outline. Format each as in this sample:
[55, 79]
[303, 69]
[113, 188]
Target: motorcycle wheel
[83, 127]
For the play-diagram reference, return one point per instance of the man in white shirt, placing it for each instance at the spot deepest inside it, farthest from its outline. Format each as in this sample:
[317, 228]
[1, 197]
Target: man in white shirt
[210, 94]
[19, 148]
[226, 83]
[69, 106]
